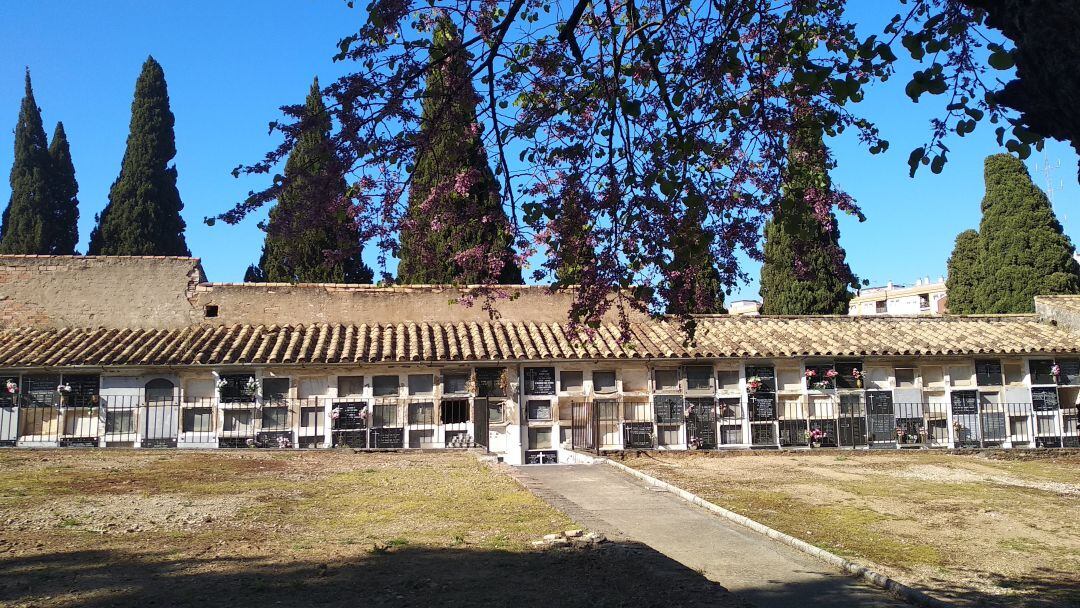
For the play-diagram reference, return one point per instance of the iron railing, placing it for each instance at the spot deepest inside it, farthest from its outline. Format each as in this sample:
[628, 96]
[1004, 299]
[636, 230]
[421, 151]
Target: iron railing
[316, 422]
[849, 422]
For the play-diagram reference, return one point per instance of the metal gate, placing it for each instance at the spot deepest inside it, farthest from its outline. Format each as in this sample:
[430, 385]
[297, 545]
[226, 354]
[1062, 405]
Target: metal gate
[881, 419]
[582, 427]
[481, 417]
[701, 423]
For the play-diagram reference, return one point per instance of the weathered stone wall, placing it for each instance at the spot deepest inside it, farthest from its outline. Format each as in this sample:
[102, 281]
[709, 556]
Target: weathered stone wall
[1061, 310]
[93, 291]
[285, 304]
[171, 292]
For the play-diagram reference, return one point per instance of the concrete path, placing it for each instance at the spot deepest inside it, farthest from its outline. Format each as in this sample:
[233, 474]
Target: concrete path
[758, 569]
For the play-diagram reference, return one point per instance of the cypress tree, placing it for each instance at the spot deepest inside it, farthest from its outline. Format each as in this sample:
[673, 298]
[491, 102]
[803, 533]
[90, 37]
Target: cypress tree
[143, 213]
[28, 217]
[455, 226]
[964, 275]
[805, 272]
[1022, 251]
[310, 236]
[65, 226]
[694, 285]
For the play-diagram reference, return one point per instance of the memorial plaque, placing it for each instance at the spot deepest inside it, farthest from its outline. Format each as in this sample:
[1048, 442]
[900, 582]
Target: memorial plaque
[638, 435]
[489, 382]
[767, 375]
[881, 428]
[350, 415]
[669, 409]
[965, 402]
[349, 439]
[159, 443]
[762, 407]
[539, 380]
[388, 437]
[542, 457]
[1044, 399]
[988, 373]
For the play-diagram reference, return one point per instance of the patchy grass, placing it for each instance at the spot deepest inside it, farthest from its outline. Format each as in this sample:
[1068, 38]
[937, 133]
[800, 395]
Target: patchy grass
[254, 528]
[974, 529]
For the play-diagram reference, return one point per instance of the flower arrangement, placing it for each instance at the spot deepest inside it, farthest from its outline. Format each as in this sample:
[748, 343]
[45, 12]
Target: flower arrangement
[12, 387]
[832, 373]
[284, 442]
[857, 376]
[695, 443]
[252, 385]
[900, 433]
[813, 436]
[753, 383]
[63, 389]
[810, 374]
[957, 427]
[1056, 371]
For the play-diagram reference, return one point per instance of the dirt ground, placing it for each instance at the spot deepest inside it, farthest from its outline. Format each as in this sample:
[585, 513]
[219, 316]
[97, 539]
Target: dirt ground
[980, 530]
[103, 528]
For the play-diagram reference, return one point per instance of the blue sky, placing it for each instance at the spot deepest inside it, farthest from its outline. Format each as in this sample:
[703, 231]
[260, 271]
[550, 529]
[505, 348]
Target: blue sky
[231, 65]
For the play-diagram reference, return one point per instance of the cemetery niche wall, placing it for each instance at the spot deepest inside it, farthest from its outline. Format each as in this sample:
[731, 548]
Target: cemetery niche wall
[402, 368]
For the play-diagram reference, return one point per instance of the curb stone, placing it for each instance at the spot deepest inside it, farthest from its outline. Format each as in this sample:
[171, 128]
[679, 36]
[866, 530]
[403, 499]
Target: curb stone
[896, 588]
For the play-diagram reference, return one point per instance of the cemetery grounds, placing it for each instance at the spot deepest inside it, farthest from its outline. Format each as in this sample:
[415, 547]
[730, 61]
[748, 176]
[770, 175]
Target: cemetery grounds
[998, 529]
[96, 528]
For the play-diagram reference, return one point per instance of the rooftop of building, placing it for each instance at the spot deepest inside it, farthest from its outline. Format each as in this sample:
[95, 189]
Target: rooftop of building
[142, 311]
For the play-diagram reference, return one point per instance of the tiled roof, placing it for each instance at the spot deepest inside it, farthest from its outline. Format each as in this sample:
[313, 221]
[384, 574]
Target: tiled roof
[718, 337]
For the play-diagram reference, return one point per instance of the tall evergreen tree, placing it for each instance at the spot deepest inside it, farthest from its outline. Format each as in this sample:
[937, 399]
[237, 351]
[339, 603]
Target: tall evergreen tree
[694, 285]
[143, 213]
[310, 236]
[964, 273]
[28, 217]
[1022, 251]
[65, 225]
[455, 230]
[805, 272]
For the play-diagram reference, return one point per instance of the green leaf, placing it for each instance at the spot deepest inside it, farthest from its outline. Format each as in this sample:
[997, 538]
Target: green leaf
[1001, 60]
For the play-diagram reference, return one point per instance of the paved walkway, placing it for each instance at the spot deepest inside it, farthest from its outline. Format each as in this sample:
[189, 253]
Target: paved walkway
[764, 572]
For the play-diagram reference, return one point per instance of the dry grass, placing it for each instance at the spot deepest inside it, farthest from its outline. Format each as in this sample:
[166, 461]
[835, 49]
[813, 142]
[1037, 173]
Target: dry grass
[977, 530]
[246, 528]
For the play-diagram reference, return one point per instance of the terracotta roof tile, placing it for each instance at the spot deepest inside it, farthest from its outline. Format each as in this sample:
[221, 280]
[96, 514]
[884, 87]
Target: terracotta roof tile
[717, 337]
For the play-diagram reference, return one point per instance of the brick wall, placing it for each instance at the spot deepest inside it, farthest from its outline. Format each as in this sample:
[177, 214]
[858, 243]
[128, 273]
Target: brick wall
[92, 291]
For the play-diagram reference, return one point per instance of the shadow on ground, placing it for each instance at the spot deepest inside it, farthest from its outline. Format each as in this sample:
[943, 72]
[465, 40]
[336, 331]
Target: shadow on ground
[616, 574]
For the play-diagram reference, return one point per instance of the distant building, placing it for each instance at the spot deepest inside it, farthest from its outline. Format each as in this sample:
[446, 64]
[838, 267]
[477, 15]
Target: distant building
[745, 308]
[922, 298]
